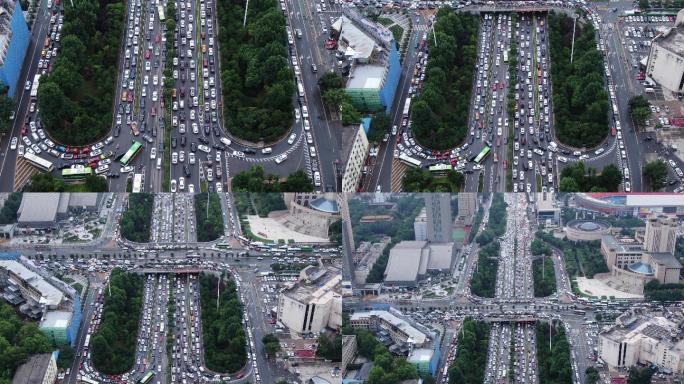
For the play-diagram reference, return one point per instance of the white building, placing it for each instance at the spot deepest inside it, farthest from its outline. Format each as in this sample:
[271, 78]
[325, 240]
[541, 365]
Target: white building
[666, 58]
[397, 329]
[312, 304]
[354, 152]
[645, 339]
[661, 234]
[38, 369]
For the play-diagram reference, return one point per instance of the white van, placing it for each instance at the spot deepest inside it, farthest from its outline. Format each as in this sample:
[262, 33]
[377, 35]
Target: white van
[267, 150]
[317, 179]
[159, 163]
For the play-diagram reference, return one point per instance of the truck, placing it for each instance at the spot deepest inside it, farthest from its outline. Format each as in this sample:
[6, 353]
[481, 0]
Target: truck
[34, 86]
[407, 107]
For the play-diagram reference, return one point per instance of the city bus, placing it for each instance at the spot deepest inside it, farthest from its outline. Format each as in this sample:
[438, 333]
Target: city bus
[76, 172]
[482, 155]
[407, 107]
[439, 168]
[87, 342]
[39, 162]
[131, 153]
[409, 160]
[88, 380]
[147, 378]
[505, 56]
[137, 183]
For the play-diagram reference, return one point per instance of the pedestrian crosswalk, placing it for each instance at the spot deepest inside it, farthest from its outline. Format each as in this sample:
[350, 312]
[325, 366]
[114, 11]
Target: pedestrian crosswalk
[420, 27]
[398, 171]
[22, 173]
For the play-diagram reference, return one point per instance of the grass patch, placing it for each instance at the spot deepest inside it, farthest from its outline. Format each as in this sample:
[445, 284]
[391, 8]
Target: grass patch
[385, 21]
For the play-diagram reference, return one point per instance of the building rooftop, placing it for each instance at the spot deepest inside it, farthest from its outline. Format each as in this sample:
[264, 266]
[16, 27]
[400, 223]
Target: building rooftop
[51, 296]
[404, 261]
[441, 256]
[38, 207]
[421, 355]
[666, 259]
[314, 293]
[622, 245]
[33, 370]
[325, 204]
[367, 77]
[414, 335]
[673, 41]
[641, 268]
[56, 319]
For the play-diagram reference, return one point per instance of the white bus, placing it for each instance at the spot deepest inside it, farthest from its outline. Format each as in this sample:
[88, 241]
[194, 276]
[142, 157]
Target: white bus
[34, 86]
[407, 106]
[137, 183]
[409, 160]
[39, 162]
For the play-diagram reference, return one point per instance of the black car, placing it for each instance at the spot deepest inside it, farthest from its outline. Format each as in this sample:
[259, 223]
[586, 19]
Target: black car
[117, 130]
[193, 147]
[174, 142]
[249, 151]
[206, 129]
[186, 170]
[204, 140]
[217, 131]
[182, 141]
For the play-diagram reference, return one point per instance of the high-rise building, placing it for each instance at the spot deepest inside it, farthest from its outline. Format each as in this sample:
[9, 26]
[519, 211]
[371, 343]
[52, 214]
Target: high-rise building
[438, 210]
[661, 234]
[14, 41]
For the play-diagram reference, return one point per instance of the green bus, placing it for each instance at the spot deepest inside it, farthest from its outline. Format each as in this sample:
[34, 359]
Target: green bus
[76, 172]
[131, 153]
[482, 155]
[147, 378]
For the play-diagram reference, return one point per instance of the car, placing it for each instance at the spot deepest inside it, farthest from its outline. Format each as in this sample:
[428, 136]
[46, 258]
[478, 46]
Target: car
[292, 138]
[312, 151]
[173, 186]
[155, 95]
[203, 148]
[13, 143]
[174, 158]
[27, 86]
[191, 158]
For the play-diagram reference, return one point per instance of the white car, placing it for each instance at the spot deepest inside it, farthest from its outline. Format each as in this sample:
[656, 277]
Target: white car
[312, 151]
[155, 95]
[191, 158]
[153, 153]
[174, 158]
[203, 148]
[13, 143]
[173, 186]
[292, 138]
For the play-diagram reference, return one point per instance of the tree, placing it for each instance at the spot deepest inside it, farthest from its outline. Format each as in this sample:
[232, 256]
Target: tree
[639, 109]
[639, 375]
[350, 115]
[330, 80]
[45, 182]
[298, 181]
[330, 348]
[135, 221]
[380, 125]
[95, 183]
[6, 108]
[271, 344]
[656, 174]
[592, 375]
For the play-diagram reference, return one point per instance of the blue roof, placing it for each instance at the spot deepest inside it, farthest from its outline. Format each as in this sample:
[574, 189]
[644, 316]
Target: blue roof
[9, 255]
[641, 268]
[366, 122]
[325, 205]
